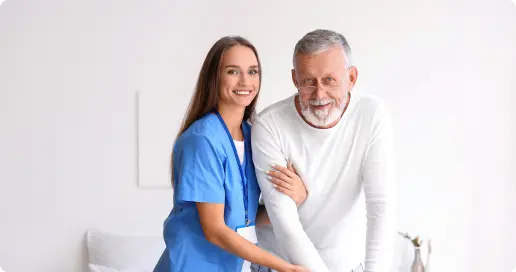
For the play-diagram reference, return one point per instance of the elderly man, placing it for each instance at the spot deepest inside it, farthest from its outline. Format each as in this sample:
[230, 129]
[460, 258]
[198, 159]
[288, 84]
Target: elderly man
[340, 144]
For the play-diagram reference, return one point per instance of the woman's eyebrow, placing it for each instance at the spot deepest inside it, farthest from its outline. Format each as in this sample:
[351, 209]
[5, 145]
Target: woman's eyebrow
[232, 66]
[237, 66]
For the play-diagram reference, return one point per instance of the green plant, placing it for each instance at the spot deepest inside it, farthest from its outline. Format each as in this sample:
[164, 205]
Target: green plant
[416, 241]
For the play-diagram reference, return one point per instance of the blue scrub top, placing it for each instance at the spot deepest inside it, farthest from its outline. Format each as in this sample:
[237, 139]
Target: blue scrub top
[206, 170]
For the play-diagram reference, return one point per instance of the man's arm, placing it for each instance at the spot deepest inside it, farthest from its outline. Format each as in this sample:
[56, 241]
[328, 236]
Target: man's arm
[379, 187]
[281, 209]
[215, 230]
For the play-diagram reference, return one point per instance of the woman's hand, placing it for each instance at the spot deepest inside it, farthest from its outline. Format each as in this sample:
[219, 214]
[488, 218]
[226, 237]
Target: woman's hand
[288, 182]
[295, 268]
[298, 268]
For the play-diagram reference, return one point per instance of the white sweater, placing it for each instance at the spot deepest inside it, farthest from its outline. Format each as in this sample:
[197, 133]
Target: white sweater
[349, 173]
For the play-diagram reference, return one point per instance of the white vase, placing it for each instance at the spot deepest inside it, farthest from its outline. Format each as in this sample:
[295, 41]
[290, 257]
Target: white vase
[417, 264]
[429, 253]
[427, 266]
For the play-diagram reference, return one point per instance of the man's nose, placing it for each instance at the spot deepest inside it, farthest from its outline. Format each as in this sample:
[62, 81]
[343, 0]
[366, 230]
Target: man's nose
[320, 91]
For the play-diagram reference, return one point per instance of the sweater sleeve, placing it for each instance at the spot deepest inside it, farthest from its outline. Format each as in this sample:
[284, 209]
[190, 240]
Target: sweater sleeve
[282, 210]
[379, 187]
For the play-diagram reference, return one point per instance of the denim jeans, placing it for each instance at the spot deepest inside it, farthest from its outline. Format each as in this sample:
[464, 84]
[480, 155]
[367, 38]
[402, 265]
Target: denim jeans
[259, 268]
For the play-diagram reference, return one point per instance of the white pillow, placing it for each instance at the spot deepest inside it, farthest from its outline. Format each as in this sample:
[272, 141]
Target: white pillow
[101, 268]
[117, 253]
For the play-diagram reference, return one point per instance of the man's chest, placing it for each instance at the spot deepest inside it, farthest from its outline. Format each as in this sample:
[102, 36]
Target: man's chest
[327, 165]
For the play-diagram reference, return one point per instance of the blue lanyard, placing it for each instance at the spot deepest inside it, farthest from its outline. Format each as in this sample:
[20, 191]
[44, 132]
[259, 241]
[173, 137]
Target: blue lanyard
[242, 175]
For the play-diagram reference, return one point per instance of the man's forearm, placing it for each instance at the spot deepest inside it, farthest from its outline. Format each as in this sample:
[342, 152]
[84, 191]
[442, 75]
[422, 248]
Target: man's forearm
[232, 242]
[379, 239]
[380, 203]
[296, 247]
[291, 236]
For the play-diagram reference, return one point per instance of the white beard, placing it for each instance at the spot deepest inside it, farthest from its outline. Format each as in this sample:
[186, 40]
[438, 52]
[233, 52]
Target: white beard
[322, 118]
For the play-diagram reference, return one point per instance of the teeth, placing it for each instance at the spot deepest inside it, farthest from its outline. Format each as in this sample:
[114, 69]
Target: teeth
[242, 92]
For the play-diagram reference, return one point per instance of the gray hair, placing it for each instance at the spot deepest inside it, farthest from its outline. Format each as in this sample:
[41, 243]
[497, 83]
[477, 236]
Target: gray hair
[320, 40]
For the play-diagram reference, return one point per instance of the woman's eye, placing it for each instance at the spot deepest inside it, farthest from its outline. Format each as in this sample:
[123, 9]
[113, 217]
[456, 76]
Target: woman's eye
[233, 72]
[253, 72]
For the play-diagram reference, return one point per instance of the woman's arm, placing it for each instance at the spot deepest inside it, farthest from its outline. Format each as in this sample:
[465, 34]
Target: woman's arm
[202, 181]
[218, 233]
[287, 181]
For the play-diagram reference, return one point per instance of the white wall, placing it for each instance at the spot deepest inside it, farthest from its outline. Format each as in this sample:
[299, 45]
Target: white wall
[69, 73]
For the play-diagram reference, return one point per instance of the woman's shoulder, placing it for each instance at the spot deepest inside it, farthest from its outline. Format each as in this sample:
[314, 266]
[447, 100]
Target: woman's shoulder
[207, 129]
[207, 125]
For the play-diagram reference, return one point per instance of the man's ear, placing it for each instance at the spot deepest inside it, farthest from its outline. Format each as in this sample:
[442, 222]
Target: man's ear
[353, 76]
[294, 80]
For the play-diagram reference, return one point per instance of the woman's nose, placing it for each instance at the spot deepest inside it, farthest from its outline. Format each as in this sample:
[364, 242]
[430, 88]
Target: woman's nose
[244, 79]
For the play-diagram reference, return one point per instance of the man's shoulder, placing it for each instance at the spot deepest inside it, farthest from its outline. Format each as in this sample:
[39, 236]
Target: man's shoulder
[277, 110]
[369, 104]
[368, 101]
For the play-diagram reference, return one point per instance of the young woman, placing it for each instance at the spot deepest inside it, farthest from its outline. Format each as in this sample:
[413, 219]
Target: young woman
[211, 227]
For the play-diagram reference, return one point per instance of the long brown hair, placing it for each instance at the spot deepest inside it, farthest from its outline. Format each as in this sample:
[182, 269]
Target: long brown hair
[206, 96]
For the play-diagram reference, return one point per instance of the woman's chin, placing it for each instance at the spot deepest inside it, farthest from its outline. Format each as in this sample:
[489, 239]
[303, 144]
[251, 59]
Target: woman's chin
[243, 102]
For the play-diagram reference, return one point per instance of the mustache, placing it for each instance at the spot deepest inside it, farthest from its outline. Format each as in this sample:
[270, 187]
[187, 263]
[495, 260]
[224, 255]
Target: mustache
[320, 102]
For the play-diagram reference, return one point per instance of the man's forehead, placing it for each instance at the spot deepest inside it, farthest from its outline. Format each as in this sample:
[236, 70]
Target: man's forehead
[323, 68]
[331, 59]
